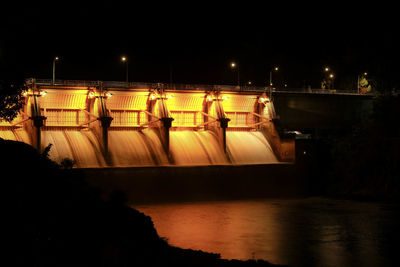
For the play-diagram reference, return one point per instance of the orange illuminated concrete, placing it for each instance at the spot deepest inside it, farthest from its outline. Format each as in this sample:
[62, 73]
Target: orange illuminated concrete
[105, 126]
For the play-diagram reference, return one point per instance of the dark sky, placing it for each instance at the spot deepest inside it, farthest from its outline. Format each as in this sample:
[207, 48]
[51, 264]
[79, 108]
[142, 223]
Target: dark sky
[199, 39]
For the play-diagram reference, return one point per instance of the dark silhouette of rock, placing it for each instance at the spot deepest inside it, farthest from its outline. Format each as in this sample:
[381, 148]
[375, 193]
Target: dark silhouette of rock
[54, 218]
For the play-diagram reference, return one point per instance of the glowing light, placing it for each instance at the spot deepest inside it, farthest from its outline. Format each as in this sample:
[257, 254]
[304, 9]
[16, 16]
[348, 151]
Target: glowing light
[233, 65]
[108, 95]
[326, 69]
[124, 59]
[168, 96]
[43, 93]
[263, 100]
[210, 98]
[365, 74]
[25, 93]
[153, 96]
[91, 95]
[331, 75]
[224, 98]
[276, 68]
[56, 58]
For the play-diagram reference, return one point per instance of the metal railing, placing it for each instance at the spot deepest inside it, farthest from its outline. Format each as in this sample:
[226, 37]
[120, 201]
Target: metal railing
[143, 85]
[318, 91]
[191, 87]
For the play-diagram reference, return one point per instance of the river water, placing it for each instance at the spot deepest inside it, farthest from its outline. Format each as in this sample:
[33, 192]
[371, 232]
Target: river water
[297, 232]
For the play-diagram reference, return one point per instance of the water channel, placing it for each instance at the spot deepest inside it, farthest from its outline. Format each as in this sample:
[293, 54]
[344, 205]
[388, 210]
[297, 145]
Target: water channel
[297, 232]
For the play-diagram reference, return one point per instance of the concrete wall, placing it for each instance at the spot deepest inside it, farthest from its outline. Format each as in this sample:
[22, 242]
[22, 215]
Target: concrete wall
[163, 184]
[300, 111]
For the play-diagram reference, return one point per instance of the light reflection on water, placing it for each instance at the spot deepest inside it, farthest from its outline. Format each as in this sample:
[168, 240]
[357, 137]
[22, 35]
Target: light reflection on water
[305, 232]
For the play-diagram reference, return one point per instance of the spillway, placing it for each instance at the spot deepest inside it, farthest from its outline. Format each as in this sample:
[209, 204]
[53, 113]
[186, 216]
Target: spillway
[80, 146]
[249, 148]
[136, 148]
[141, 125]
[196, 148]
[15, 134]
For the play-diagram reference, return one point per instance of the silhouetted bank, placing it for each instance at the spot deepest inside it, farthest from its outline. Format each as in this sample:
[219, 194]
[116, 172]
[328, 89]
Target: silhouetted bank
[57, 219]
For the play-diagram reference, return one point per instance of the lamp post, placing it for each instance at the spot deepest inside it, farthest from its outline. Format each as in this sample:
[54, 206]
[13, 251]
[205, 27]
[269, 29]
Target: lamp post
[125, 60]
[270, 80]
[332, 77]
[235, 65]
[328, 78]
[54, 69]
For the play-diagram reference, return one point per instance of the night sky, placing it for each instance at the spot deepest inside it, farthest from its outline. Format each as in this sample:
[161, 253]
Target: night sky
[197, 41]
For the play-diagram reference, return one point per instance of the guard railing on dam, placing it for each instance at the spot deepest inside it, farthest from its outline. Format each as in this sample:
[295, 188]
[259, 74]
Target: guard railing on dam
[192, 87]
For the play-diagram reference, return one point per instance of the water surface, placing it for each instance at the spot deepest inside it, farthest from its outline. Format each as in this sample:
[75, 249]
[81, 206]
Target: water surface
[301, 232]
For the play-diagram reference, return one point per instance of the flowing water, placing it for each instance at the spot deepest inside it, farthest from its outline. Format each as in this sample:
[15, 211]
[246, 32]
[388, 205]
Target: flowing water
[15, 135]
[196, 148]
[301, 232]
[129, 148]
[79, 146]
[136, 148]
[249, 148]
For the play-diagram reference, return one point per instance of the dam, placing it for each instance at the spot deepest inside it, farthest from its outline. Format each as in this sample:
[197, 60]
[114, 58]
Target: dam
[162, 142]
[110, 124]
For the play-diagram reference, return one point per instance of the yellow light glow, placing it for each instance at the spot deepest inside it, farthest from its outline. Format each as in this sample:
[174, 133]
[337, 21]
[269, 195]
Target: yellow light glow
[326, 69]
[276, 68]
[91, 95]
[233, 65]
[43, 93]
[25, 93]
[153, 96]
[56, 58]
[123, 59]
[209, 98]
[263, 100]
[331, 75]
[108, 95]
[168, 96]
[224, 98]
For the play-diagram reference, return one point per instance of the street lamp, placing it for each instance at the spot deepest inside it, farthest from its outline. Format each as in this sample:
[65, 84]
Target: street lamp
[327, 81]
[234, 65]
[54, 69]
[125, 60]
[270, 80]
[270, 75]
[331, 76]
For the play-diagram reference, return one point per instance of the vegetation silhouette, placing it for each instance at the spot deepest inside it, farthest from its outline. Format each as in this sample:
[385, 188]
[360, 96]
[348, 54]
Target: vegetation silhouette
[11, 85]
[365, 162]
[54, 218]
[361, 162]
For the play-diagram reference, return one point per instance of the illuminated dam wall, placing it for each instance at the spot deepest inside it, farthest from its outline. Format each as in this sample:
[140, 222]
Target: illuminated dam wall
[100, 124]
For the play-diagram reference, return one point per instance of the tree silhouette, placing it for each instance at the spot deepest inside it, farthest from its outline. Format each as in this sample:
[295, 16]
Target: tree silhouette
[11, 86]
